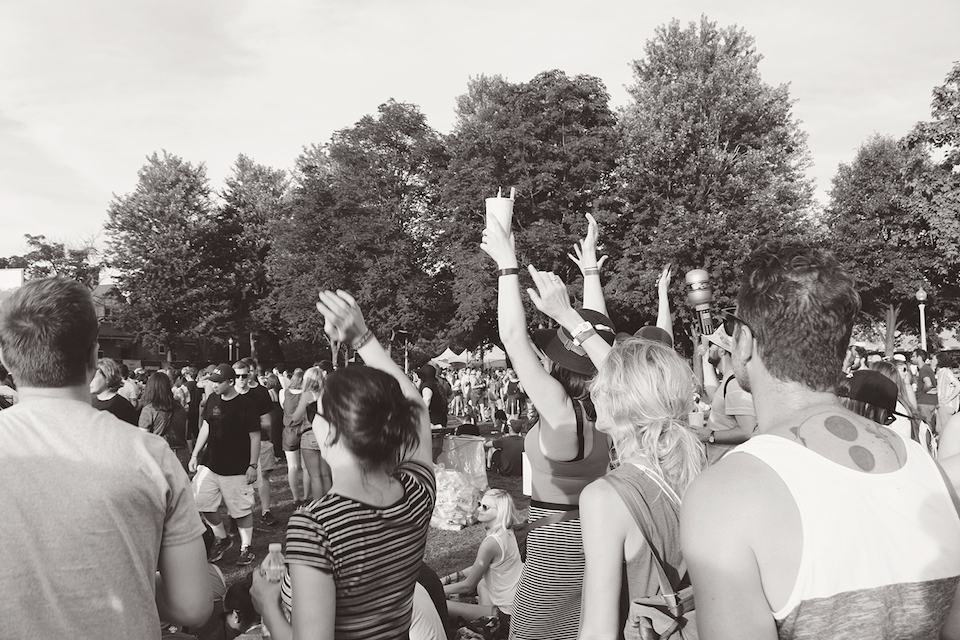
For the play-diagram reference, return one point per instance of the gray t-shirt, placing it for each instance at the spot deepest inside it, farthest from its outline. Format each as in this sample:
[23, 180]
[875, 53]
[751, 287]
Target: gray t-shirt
[87, 503]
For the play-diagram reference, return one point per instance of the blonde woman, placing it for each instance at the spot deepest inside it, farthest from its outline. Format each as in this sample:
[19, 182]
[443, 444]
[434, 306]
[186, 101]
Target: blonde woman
[313, 463]
[496, 571]
[643, 393]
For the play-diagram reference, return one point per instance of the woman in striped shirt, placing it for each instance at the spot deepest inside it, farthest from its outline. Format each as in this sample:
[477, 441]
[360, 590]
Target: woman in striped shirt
[354, 555]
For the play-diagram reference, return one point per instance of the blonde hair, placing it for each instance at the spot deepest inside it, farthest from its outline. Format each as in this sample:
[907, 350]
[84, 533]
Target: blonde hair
[507, 514]
[312, 380]
[645, 392]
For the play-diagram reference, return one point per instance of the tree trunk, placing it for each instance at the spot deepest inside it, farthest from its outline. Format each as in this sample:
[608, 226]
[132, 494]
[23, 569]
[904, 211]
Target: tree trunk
[892, 315]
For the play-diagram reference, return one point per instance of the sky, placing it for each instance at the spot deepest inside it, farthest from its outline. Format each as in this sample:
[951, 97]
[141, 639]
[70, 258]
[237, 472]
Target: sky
[90, 89]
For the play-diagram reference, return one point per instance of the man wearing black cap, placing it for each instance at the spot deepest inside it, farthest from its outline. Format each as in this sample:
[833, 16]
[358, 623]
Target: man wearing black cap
[230, 430]
[824, 524]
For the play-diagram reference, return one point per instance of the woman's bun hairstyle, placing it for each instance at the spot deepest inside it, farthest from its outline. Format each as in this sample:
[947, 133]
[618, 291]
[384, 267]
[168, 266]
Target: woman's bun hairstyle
[367, 408]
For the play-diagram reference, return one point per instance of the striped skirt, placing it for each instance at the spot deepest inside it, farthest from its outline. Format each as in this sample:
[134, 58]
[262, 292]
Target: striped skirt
[547, 605]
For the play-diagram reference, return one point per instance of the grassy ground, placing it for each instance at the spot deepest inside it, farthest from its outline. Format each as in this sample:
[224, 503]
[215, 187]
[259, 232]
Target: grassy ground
[447, 551]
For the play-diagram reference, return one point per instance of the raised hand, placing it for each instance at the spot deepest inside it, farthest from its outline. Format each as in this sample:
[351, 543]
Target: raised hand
[586, 249]
[663, 282]
[497, 244]
[551, 296]
[343, 319]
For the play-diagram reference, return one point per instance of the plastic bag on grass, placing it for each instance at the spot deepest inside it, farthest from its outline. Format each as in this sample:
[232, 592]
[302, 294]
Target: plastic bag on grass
[467, 455]
[457, 499]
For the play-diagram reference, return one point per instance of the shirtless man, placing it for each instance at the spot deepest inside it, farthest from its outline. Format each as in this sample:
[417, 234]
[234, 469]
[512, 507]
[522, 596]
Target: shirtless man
[823, 525]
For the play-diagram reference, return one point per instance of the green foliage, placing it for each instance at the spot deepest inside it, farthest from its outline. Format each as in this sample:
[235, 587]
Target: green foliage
[254, 195]
[175, 252]
[355, 222]
[934, 181]
[554, 139]
[875, 227]
[713, 165]
[47, 258]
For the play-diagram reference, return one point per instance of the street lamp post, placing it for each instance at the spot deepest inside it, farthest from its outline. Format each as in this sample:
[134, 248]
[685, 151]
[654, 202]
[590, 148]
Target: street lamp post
[230, 349]
[921, 300]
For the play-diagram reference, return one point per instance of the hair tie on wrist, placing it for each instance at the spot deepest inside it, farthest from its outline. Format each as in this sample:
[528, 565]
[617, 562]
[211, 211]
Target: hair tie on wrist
[591, 271]
[511, 271]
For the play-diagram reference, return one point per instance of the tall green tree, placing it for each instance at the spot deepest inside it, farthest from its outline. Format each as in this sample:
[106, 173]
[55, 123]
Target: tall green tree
[934, 178]
[176, 254]
[554, 139]
[357, 220]
[713, 164]
[254, 194]
[875, 226]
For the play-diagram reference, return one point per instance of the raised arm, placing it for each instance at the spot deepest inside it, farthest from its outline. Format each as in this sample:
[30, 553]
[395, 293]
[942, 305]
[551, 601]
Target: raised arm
[664, 319]
[551, 298]
[559, 442]
[344, 321]
[586, 259]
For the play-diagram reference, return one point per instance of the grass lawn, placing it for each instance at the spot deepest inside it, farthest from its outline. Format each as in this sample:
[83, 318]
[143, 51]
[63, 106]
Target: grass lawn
[447, 551]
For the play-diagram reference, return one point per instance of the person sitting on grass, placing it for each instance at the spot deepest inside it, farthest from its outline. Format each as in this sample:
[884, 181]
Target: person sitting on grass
[496, 571]
[239, 612]
[506, 453]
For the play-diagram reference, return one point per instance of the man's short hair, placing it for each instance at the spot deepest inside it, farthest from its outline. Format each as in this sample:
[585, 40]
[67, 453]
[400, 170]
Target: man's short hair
[800, 304]
[858, 350]
[47, 330]
[250, 363]
[922, 353]
[189, 370]
[124, 371]
[241, 364]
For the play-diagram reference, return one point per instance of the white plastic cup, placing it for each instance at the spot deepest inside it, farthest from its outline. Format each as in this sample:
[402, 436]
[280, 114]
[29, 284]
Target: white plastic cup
[502, 209]
[696, 419]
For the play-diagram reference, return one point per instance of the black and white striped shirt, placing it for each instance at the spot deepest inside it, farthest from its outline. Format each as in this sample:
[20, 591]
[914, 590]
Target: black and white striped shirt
[373, 553]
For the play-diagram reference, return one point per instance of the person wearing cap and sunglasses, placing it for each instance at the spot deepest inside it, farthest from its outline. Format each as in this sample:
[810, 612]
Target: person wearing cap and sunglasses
[732, 416]
[565, 451]
[230, 430]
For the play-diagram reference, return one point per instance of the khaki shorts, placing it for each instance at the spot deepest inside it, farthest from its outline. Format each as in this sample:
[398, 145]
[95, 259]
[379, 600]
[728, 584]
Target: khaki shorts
[268, 459]
[210, 488]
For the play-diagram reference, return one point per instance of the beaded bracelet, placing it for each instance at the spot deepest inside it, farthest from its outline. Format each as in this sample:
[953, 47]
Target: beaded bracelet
[362, 340]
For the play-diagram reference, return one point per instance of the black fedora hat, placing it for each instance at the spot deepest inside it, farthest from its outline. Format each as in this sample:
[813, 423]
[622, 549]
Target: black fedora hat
[559, 346]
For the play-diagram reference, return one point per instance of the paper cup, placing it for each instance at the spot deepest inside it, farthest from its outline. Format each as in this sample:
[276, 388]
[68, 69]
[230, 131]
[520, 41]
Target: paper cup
[696, 419]
[502, 209]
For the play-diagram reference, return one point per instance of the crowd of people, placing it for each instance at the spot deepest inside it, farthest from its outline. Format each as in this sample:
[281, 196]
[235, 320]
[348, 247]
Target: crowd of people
[799, 489]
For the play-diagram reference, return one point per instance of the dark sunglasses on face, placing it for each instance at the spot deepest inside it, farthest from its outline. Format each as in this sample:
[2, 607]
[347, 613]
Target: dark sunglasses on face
[730, 321]
[243, 375]
[483, 507]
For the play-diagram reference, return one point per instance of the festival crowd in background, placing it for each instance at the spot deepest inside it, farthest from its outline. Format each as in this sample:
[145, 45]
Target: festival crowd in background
[800, 487]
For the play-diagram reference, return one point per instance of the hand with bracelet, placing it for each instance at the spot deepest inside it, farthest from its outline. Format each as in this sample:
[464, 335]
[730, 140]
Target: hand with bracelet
[586, 250]
[343, 319]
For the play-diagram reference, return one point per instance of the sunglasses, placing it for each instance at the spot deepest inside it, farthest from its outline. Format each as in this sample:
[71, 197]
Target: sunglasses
[730, 321]
[243, 375]
[483, 507]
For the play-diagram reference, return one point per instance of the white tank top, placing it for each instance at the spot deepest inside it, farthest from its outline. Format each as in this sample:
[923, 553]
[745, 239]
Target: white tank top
[500, 580]
[881, 552]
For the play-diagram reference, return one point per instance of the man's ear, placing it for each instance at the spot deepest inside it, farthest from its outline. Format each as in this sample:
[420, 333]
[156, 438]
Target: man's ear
[744, 344]
[92, 360]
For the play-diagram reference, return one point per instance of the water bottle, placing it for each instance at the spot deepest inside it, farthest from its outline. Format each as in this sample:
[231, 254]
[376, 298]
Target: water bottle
[273, 565]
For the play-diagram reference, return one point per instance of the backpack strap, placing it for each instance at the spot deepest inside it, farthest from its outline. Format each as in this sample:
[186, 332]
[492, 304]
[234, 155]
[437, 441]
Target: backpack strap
[640, 510]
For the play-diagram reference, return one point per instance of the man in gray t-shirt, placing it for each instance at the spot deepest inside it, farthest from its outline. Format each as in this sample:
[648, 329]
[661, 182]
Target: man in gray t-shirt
[101, 537]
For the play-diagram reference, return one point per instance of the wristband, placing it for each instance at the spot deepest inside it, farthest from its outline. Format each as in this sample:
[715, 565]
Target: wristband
[510, 271]
[362, 340]
[252, 466]
[583, 335]
[591, 271]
